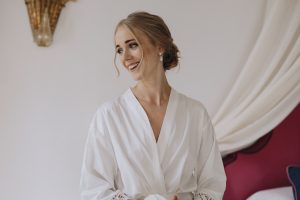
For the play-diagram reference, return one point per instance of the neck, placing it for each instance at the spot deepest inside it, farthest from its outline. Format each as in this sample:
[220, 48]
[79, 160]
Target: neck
[153, 90]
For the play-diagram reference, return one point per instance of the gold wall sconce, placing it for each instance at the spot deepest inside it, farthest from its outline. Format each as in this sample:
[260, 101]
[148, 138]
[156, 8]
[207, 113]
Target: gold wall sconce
[43, 17]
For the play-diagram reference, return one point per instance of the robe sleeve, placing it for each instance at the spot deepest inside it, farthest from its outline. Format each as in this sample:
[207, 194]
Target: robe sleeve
[211, 178]
[99, 167]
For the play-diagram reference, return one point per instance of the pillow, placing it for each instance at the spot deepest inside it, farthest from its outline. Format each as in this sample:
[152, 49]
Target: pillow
[280, 193]
[293, 173]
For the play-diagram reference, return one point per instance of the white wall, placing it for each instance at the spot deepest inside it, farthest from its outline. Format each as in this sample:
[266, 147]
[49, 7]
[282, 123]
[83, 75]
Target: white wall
[48, 95]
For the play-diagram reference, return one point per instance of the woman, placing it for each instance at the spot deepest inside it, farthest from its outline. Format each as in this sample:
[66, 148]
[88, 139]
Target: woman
[152, 142]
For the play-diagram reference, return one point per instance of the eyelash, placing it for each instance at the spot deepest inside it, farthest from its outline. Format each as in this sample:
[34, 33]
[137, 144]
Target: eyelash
[131, 45]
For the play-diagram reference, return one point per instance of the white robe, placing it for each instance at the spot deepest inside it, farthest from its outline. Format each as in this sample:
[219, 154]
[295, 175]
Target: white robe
[122, 159]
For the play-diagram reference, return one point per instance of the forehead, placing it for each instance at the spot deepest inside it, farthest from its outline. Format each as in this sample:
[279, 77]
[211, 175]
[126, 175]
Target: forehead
[123, 34]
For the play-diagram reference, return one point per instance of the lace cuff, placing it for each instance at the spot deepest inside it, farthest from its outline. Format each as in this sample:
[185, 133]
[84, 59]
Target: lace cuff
[120, 196]
[201, 196]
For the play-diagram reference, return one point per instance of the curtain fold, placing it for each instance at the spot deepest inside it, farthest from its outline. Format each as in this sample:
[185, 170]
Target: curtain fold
[268, 87]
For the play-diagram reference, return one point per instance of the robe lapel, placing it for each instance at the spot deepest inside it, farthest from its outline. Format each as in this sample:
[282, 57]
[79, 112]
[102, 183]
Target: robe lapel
[168, 123]
[158, 149]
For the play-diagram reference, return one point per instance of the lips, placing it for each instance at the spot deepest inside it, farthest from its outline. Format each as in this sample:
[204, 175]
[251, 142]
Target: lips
[133, 66]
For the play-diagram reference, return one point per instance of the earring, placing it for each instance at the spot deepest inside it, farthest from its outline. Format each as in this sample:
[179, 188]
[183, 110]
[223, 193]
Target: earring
[161, 57]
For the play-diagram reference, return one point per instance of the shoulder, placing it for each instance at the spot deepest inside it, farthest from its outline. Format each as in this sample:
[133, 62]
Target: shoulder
[191, 104]
[107, 111]
[114, 106]
[108, 106]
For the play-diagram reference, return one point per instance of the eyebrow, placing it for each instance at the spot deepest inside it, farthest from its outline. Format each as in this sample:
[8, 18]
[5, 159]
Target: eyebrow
[125, 42]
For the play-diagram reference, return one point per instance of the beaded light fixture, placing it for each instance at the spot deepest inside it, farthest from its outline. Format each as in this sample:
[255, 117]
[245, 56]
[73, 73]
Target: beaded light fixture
[43, 17]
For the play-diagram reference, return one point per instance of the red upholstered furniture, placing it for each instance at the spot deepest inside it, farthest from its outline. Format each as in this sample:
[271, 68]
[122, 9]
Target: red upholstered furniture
[263, 165]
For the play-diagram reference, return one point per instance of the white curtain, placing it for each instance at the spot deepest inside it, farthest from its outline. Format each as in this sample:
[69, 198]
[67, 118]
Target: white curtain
[268, 87]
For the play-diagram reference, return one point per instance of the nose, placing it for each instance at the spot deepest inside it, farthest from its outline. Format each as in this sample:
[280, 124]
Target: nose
[126, 55]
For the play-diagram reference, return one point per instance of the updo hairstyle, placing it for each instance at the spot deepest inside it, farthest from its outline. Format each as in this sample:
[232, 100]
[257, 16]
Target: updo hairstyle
[158, 33]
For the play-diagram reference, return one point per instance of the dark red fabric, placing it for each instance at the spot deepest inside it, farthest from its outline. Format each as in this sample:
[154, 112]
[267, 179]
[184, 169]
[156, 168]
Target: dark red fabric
[257, 167]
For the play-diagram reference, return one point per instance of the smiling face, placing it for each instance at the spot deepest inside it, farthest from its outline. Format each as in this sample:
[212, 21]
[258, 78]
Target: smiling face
[140, 58]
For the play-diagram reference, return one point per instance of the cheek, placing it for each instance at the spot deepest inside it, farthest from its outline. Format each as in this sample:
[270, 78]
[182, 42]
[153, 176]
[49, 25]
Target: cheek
[151, 54]
[137, 53]
[120, 61]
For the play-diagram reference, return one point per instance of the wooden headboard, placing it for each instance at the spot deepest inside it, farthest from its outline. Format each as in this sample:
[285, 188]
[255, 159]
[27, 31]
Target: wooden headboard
[263, 165]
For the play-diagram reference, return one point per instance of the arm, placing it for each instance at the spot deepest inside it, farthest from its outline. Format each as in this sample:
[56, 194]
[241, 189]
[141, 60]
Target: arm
[99, 166]
[211, 175]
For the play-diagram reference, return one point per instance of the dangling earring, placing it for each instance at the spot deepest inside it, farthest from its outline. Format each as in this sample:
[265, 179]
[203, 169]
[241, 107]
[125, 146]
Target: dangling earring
[161, 57]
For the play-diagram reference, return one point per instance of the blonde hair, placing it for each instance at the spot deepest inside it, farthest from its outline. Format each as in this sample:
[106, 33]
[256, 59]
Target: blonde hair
[157, 31]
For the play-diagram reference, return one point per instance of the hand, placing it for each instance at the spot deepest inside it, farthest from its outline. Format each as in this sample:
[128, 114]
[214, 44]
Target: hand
[175, 198]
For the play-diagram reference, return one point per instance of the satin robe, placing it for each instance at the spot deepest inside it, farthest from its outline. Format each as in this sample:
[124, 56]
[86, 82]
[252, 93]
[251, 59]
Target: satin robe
[123, 160]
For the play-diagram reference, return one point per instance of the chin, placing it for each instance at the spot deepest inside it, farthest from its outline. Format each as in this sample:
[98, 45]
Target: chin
[136, 76]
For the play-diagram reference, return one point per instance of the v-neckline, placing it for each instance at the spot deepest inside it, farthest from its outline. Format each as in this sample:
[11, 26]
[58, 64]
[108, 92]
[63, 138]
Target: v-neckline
[157, 149]
[143, 111]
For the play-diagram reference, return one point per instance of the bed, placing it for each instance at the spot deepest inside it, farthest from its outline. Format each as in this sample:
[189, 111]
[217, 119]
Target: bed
[262, 168]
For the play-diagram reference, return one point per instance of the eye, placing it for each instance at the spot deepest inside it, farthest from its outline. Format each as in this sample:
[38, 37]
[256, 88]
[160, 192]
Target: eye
[119, 51]
[133, 45]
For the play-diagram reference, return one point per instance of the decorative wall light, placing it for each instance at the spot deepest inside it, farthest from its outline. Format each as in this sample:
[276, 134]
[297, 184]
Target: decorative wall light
[43, 17]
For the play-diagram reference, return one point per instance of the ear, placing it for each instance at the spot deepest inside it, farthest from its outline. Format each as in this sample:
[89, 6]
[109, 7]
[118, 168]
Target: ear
[161, 49]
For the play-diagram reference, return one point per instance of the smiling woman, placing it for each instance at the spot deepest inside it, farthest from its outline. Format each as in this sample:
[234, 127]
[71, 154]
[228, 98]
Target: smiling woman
[128, 49]
[151, 35]
[151, 142]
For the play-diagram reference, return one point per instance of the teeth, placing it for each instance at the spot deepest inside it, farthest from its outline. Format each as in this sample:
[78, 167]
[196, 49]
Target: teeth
[131, 67]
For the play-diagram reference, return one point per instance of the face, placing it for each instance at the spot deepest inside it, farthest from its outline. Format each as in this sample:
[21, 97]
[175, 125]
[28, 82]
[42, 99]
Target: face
[141, 62]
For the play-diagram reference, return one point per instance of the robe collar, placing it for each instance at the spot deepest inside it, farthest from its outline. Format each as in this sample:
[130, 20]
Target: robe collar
[158, 148]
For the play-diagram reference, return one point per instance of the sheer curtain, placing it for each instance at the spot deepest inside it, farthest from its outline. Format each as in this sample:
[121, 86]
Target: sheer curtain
[268, 87]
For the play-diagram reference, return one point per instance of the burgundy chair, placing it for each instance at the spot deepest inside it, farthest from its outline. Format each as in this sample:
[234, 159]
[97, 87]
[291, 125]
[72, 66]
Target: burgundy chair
[263, 165]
